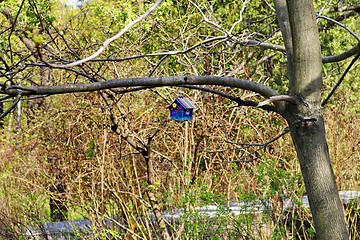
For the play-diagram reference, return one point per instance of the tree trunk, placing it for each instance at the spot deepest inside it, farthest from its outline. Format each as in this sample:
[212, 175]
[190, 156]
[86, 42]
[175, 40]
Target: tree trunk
[307, 124]
[311, 147]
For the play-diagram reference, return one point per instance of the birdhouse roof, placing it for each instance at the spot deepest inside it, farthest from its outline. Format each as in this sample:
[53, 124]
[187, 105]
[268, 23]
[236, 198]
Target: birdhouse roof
[186, 103]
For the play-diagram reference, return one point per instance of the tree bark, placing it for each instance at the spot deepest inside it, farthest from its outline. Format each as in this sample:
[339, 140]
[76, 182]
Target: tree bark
[307, 124]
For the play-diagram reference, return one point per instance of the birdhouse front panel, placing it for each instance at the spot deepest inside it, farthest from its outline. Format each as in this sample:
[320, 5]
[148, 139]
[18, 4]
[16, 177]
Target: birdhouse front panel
[181, 109]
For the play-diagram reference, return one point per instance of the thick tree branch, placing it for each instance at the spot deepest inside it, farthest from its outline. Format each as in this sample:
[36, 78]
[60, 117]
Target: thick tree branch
[151, 82]
[145, 81]
[342, 56]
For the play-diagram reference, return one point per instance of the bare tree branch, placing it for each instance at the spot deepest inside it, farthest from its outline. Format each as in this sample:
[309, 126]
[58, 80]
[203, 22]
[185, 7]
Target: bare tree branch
[13, 105]
[342, 56]
[340, 80]
[249, 157]
[247, 43]
[169, 53]
[264, 45]
[279, 98]
[355, 8]
[345, 12]
[145, 81]
[250, 43]
[341, 25]
[240, 17]
[238, 100]
[109, 40]
[28, 43]
[152, 82]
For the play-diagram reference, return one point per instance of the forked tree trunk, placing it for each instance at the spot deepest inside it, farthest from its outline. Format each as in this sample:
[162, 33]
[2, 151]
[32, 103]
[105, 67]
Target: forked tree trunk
[306, 120]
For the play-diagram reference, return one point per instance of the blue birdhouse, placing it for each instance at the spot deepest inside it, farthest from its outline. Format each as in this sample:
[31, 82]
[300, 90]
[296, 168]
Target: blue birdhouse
[182, 109]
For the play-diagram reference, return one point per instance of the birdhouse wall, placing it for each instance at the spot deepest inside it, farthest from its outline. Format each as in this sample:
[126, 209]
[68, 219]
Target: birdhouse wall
[181, 114]
[181, 109]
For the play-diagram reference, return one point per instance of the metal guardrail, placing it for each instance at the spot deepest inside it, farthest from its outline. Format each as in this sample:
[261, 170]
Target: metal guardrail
[345, 196]
[72, 229]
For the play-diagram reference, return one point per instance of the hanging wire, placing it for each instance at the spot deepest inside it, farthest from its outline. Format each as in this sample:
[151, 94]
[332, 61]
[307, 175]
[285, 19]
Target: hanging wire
[182, 85]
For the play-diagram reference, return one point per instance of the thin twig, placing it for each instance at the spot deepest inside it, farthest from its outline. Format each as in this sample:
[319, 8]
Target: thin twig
[157, 65]
[339, 24]
[13, 105]
[340, 80]
[250, 154]
[169, 53]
